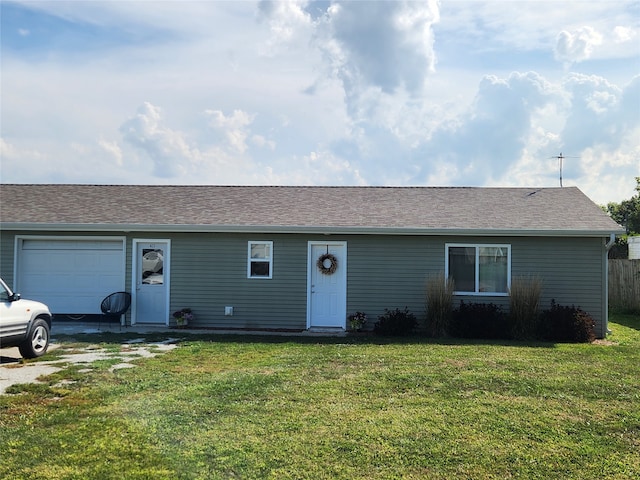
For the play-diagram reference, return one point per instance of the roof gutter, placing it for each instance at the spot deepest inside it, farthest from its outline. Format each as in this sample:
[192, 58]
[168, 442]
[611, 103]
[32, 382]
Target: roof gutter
[301, 229]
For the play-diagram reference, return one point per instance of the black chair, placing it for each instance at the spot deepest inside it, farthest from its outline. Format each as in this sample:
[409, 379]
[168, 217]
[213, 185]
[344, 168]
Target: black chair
[114, 306]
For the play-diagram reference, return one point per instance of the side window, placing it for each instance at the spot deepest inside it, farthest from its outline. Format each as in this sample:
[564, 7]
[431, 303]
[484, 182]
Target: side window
[479, 269]
[4, 294]
[260, 261]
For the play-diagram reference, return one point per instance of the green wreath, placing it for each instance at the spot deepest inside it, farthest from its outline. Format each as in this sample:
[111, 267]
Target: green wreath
[327, 270]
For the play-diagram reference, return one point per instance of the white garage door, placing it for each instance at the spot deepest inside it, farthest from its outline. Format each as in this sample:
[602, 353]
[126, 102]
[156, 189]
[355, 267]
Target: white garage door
[71, 275]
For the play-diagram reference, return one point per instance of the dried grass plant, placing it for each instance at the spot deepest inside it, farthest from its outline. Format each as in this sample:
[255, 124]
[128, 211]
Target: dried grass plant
[439, 304]
[524, 303]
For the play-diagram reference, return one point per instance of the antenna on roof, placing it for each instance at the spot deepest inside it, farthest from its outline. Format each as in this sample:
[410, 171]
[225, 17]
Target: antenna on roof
[560, 158]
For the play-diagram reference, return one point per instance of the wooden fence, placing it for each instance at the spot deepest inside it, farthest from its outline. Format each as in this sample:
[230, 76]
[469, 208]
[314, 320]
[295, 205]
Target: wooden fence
[624, 284]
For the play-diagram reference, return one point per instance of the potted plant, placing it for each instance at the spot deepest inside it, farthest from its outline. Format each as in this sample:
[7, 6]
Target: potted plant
[357, 321]
[183, 317]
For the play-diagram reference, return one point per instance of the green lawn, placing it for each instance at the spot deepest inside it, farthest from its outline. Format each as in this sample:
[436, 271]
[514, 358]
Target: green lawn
[256, 407]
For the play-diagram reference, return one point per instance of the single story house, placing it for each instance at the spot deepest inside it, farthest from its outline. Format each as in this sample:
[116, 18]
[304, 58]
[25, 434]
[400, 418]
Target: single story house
[269, 257]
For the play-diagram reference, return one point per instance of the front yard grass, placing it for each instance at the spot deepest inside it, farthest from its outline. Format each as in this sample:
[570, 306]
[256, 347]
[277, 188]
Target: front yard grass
[273, 407]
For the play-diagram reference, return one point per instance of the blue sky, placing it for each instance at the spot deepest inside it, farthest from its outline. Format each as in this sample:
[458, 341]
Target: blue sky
[322, 93]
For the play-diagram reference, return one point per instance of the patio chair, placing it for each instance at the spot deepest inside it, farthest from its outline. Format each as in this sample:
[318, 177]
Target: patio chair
[114, 306]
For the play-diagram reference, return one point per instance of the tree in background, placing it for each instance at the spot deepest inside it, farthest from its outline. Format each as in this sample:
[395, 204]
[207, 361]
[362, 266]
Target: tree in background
[627, 214]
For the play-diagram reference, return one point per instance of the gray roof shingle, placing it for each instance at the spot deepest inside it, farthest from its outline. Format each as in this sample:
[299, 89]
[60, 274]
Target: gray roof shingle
[420, 210]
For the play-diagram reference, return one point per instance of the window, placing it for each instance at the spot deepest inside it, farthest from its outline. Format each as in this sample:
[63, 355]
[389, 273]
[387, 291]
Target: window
[260, 262]
[152, 266]
[4, 294]
[479, 269]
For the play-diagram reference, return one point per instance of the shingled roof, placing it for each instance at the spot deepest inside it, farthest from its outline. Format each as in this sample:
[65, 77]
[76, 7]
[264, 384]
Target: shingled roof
[408, 210]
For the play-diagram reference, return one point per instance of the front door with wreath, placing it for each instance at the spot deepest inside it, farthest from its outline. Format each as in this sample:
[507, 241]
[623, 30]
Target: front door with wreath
[327, 285]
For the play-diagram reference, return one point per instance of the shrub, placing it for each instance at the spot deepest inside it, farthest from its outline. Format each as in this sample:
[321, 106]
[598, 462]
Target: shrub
[524, 300]
[395, 323]
[439, 298]
[357, 321]
[479, 320]
[567, 324]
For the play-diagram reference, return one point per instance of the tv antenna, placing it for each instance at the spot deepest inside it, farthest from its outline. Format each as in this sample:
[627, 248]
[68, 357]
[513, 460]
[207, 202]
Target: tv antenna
[560, 159]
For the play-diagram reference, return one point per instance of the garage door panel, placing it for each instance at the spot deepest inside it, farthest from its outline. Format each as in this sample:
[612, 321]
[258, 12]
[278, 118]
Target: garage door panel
[86, 261]
[70, 261]
[71, 276]
[81, 304]
[77, 245]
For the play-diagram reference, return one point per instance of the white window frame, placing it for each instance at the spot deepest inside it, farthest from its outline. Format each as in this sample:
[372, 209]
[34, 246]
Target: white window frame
[252, 260]
[477, 247]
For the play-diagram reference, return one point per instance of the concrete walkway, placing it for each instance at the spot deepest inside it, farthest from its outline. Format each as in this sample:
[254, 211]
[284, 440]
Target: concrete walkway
[76, 327]
[13, 370]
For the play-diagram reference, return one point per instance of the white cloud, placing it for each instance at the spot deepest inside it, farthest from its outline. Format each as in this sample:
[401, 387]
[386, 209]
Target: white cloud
[233, 128]
[320, 167]
[601, 172]
[493, 132]
[578, 45]
[167, 148]
[382, 45]
[624, 34]
[288, 22]
[600, 113]
[113, 149]
[263, 142]
[72, 163]
[9, 152]
[590, 122]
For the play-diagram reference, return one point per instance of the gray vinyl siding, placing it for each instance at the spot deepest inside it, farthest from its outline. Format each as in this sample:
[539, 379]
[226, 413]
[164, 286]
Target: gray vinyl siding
[391, 272]
[571, 270]
[387, 272]
[209, 272]
[7, 257]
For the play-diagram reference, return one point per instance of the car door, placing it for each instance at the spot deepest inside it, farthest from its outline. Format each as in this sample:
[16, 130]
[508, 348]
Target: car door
[13, 317]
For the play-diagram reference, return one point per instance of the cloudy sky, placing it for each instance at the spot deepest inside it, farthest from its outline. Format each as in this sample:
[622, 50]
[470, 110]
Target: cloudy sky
[479, 93]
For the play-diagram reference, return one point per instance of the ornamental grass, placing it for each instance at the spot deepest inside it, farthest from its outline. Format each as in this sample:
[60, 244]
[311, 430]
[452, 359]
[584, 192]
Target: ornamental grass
[439, 304]
[524, 303]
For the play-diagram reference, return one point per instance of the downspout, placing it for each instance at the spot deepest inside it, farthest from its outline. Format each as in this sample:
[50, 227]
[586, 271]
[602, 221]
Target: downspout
[605, 262]
[612, 240]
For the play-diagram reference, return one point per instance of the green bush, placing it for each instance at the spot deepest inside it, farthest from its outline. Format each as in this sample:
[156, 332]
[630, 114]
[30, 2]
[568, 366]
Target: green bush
[567, 324]
[439, 304]
[479, 320]
[395, 323]
[524, 302]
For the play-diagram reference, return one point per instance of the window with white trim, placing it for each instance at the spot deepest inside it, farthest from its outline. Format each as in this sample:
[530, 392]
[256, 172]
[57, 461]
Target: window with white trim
[260, 260]
[479, 269]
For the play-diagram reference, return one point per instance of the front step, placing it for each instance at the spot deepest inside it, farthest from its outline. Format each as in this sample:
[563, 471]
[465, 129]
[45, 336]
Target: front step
[326, 331]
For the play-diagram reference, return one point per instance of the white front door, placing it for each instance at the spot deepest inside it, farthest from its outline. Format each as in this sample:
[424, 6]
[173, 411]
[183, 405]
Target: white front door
[327, 289]
[151, 281]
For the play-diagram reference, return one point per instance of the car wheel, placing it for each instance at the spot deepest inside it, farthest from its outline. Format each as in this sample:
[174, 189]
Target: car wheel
[37, 342]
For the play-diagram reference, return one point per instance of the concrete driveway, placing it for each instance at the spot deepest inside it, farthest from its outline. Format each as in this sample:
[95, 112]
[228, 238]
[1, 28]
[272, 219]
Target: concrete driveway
[14, 371]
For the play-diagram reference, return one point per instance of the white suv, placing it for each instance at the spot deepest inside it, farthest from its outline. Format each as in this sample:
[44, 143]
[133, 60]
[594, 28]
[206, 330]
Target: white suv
[23, 323]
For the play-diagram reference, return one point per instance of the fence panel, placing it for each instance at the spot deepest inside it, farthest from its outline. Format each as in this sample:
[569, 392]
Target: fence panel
[624, 284]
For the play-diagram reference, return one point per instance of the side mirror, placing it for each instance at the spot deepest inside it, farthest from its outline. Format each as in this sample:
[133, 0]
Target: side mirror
[15, 297]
